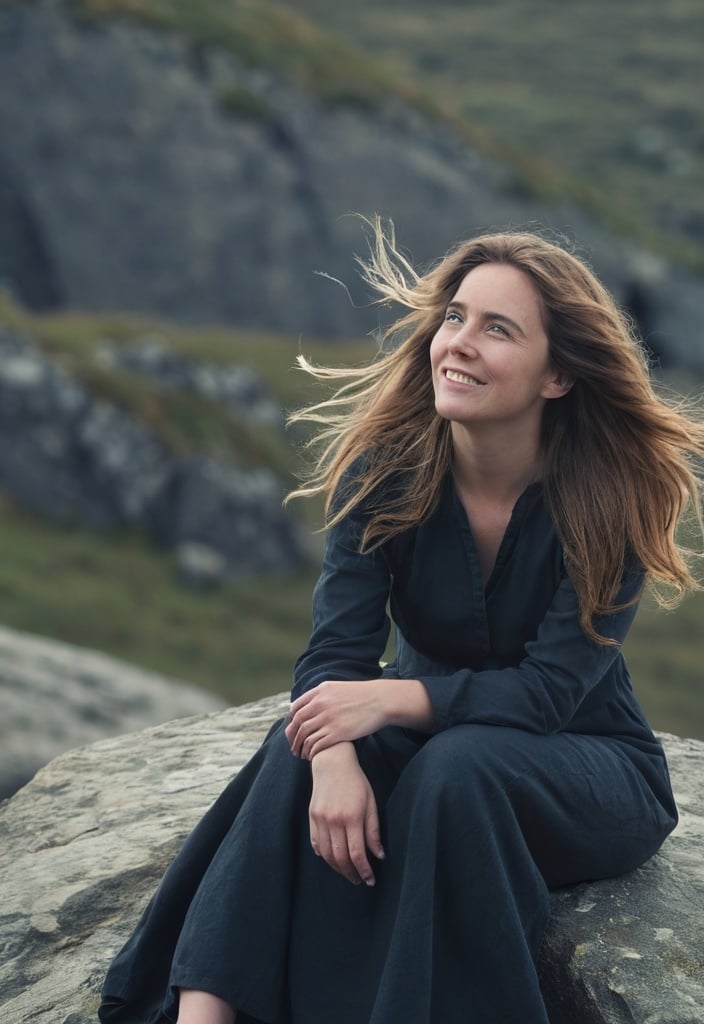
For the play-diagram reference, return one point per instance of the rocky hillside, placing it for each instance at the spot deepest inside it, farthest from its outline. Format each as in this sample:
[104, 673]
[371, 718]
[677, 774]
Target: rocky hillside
[164, 169]
[72, 456]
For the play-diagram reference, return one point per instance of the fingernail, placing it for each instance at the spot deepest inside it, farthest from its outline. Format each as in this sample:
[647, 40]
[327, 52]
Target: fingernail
[381, 853]
[369, 881]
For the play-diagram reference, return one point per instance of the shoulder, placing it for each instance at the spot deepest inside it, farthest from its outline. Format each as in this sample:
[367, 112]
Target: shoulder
[369, 486]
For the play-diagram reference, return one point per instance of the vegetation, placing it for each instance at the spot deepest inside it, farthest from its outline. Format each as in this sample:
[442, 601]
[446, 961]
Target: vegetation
[599, 100]
[261, 34]
[120, 594]
[598, 103]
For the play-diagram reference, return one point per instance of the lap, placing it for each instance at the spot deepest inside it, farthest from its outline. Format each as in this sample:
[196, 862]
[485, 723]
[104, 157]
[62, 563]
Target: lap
[583, 806]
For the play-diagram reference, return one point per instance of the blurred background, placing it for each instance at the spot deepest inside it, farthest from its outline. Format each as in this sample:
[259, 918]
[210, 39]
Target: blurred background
[178, 185]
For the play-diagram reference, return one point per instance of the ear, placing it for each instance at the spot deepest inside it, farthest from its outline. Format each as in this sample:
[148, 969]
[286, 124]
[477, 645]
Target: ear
[557, 385]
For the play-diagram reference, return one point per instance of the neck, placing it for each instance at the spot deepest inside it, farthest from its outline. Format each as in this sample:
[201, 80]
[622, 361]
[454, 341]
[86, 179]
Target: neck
[497, 468]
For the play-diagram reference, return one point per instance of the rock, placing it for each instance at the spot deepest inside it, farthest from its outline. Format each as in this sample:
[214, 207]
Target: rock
[74, 458]
[631, 950]
[238, 389]
[234, 512]
[55, 696]
[200, 565]
[84, 844]
[63, 453]
[132, 184]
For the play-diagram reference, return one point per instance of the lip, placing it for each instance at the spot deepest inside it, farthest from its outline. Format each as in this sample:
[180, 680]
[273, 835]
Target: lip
[474, 382]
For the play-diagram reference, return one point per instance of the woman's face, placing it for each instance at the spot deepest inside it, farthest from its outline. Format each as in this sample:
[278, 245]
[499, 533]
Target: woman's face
[490, 357]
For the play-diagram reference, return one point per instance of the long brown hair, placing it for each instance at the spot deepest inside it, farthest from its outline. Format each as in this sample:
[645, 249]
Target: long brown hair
[620, 460]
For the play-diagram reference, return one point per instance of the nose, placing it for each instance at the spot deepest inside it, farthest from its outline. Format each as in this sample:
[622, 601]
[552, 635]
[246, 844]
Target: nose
[463, 343]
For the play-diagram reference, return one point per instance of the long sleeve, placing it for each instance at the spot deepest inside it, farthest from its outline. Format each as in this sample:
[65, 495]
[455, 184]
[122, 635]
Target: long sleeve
[350, 624]
[545, 690]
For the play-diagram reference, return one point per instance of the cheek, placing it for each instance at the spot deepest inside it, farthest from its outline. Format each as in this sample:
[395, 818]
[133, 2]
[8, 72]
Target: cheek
[435, 353]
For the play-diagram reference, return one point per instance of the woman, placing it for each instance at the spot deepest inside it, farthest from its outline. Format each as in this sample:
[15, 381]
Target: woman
[505, 480]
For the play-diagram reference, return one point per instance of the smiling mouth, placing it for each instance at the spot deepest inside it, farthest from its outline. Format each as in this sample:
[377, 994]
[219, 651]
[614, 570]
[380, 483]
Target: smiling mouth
[463, 378]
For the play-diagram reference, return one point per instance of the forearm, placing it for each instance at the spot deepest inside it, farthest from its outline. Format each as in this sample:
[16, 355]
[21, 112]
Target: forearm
[405, 702]
[338, 757]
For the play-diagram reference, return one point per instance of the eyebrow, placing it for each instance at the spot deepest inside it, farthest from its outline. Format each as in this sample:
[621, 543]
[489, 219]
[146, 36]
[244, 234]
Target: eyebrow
[490, 316]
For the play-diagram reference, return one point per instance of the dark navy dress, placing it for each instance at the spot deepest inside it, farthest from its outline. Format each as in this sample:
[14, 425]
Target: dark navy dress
[542, 771]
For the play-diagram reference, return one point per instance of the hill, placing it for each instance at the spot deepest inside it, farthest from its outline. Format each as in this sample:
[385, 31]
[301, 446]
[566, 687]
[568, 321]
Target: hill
[200, 162]
[598, 99]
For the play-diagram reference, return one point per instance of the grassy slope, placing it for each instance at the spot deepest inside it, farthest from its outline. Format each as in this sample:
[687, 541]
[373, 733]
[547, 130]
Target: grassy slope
[598, 102]
[120, 594]
[605, 95]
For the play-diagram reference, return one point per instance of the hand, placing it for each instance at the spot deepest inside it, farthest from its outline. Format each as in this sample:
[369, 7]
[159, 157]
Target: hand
[334, 712]
[344, 823]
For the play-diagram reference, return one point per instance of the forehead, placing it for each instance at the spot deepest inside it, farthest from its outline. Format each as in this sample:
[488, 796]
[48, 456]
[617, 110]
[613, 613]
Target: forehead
[501, 288]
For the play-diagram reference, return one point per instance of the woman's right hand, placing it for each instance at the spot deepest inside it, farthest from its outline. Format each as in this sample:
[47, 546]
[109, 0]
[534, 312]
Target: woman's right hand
[344, 822]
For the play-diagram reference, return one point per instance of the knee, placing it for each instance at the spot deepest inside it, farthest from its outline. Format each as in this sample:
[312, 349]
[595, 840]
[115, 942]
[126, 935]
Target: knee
[462, 766]
[468, 754]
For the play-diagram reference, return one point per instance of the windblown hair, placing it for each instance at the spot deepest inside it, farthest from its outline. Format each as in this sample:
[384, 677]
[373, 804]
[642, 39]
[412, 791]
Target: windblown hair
[620, 462]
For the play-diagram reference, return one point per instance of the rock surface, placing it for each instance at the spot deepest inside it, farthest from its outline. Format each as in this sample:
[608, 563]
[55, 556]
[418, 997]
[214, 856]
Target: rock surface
[631, 950]
[128, 183]
[55, 696]
[84, 844]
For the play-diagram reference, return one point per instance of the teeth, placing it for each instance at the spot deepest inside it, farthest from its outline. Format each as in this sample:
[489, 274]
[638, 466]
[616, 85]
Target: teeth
[461, 378]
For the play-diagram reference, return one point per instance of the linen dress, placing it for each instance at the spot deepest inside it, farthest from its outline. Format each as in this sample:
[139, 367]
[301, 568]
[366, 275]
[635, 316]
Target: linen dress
[542, 771]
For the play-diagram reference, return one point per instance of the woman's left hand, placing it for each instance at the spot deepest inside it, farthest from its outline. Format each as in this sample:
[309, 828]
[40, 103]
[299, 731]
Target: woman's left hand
[333, 712]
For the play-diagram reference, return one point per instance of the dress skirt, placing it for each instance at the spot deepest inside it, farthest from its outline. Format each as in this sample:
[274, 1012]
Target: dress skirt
[478, 823]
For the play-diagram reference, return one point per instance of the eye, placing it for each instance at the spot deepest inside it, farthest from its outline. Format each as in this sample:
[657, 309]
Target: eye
[500, 329]
[452, 317]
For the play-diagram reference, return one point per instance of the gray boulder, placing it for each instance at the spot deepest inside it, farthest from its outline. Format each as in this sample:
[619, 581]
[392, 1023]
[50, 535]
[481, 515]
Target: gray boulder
[631, 950]
[84, 844]
[55, 696]
[233, 513]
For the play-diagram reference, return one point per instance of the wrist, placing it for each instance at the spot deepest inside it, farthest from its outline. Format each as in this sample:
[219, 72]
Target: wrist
[406, 703]
[339, 754]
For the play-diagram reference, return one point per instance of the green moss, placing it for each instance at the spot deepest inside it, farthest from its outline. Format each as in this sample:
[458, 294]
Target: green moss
[259, 34]
[244, 104]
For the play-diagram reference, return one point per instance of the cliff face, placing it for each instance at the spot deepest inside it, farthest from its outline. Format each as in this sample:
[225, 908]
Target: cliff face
[84, 844]
[128, 182]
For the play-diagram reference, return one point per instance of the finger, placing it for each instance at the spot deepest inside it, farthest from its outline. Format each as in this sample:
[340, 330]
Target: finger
[296, 723]
[372, 831]
[340, 857]
[358, 854]
[314, 838]
[320, 740]
[300, 702]
[298, 732]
